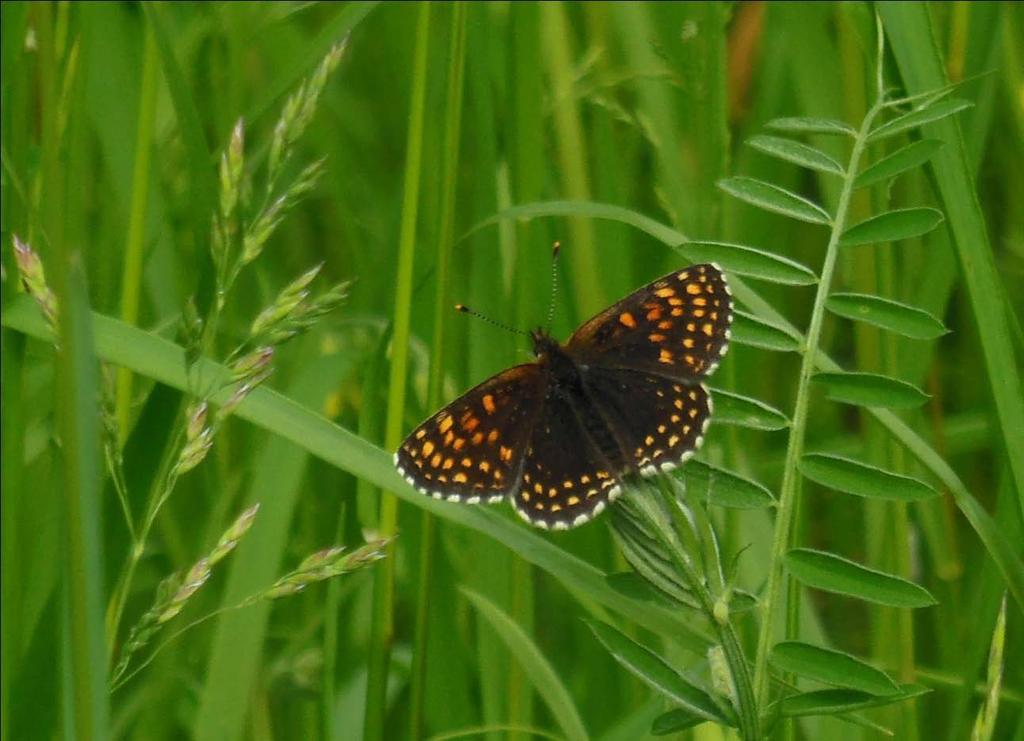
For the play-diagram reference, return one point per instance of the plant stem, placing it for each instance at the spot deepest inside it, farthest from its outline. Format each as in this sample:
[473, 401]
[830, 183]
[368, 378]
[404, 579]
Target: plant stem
[788, 499]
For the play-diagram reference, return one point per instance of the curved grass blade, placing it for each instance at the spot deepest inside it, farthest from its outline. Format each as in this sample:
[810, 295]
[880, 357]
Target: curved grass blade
[831, 667]
[834, 702]
[926, 115]
[545, 679]
[749, 330]
[871, 390]
[811, 125]
[833, 573]
[854, 477]
[752, 262]
[742, 411]
[773, 198]
[887, 314]
[654, 672]
[796, 152]
[892, 226]
[718, 486]
[911, 156]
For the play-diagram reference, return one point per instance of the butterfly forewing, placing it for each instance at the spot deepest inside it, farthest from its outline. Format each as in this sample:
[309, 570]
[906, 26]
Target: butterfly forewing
[472, 450]
[659, 422]
[676, 326]
[566, 479]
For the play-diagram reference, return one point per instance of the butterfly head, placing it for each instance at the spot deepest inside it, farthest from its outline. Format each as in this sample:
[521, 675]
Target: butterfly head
[544, 345]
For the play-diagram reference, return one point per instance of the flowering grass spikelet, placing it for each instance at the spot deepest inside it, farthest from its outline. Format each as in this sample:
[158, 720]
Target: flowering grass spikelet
[33, 278]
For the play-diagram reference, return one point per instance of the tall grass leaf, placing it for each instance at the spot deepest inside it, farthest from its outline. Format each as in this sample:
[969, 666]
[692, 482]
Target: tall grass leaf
[725, 488]
[854, 477]
[811, 125]
[674, 721]
[751, 262]
[892, 226]
[886, 314]
[833, 573]
[910, 31]
[742, 411]
[156, 358]
[796, 152]
[985, 722]
[773, 198]
[831, 667]
[870, 390]
[748, 330]
[834, 702]
[654, 672]
[912, 155]
[928, 114]
[545, 679]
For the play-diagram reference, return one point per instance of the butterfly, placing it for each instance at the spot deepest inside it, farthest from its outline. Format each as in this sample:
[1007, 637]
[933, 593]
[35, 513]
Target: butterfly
[557, 436]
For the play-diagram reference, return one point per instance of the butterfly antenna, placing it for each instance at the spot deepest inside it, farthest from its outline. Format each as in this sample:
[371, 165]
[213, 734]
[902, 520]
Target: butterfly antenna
[466, 310]
[555, 249]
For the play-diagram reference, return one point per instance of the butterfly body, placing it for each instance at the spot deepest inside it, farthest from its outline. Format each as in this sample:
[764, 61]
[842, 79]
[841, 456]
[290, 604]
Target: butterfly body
[622, 396]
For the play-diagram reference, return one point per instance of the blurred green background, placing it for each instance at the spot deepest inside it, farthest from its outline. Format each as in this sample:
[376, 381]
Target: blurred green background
[113, 118]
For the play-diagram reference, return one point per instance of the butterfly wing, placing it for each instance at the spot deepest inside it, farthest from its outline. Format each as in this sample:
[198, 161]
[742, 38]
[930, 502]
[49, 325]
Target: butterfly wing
[676, 326]
[472, 450]
[658, 422]
[566, 480]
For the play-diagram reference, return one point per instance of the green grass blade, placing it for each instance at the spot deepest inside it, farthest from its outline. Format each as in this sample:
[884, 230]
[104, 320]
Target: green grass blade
[85, 666]
[545, 679]
[834, 702]
[382, 625]
[910, 32]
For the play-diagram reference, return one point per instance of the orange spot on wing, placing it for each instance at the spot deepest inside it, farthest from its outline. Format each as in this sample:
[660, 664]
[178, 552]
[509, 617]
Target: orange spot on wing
[626, 319]
[489, 403]
[692, 288]
[665, 292]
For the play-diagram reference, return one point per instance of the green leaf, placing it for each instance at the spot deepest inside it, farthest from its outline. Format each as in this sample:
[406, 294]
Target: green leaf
[773, 198]
[928, 114]
[887, 314]
[796, 152]
[854, 477]
[835, 702]
[831, 667]
[718, 486]
[528, 655]
[748, 330]
[654, 672]
[907, 158]
[871, 390]
[752, 262]
[812, 125]
[891, 226]
[742, 411]
[833, 573]
[674, 721]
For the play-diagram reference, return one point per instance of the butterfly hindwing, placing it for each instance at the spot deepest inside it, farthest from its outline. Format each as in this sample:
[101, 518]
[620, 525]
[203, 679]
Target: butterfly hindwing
[659, 422]
[676, 326]
[566, 480]
[472, 450]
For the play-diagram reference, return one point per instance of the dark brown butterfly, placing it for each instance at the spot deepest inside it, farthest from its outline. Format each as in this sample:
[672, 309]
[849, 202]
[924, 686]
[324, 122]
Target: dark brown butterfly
[623, 395]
